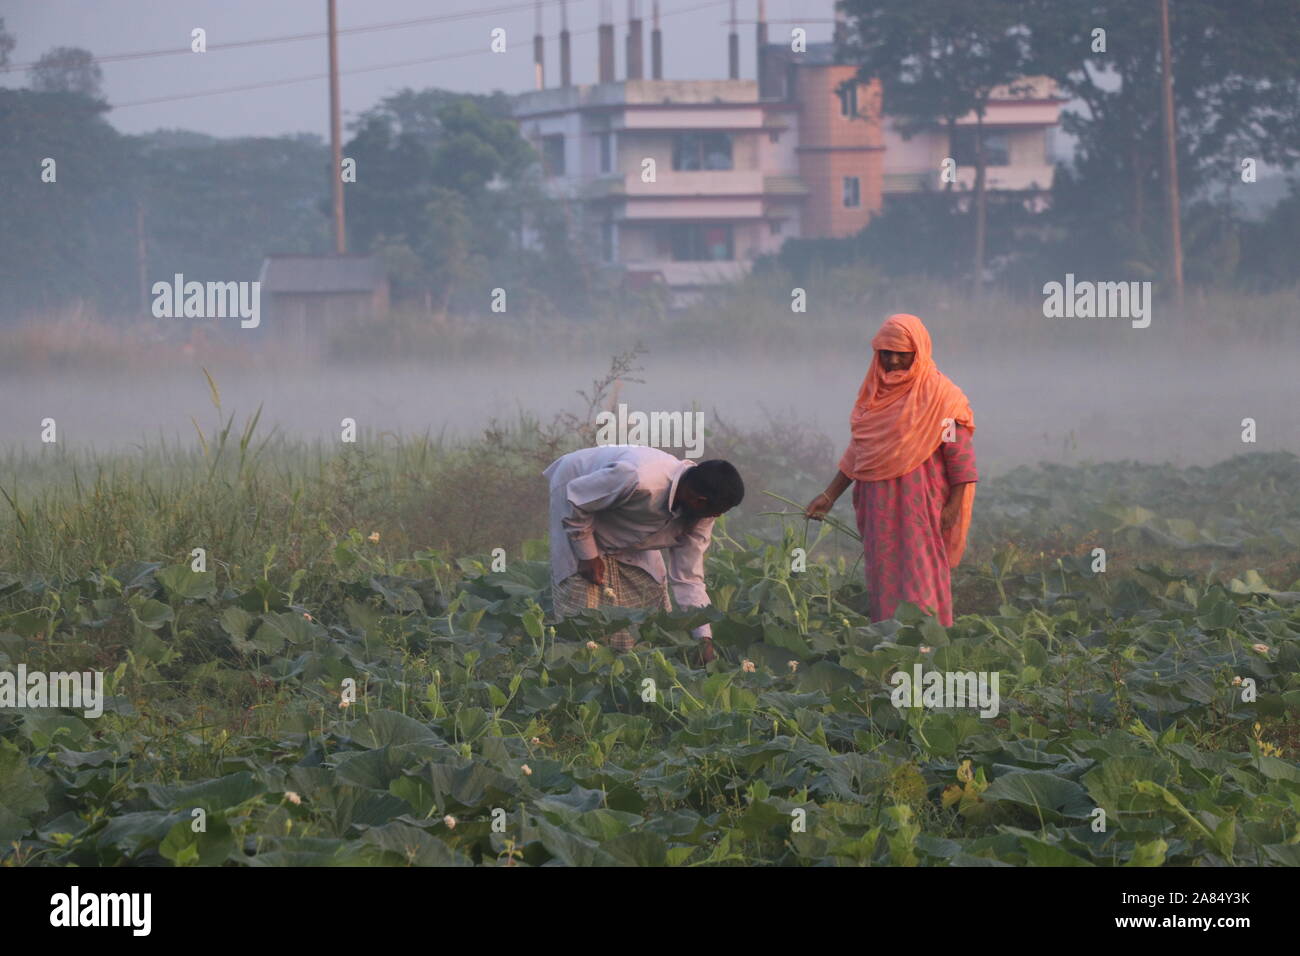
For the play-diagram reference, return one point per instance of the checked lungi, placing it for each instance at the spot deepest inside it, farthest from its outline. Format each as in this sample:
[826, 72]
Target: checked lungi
[632, 586]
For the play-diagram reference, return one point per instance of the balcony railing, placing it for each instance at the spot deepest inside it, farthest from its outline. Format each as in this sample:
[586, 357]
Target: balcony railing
[1015, 177]
[705, 183]
[784, 186]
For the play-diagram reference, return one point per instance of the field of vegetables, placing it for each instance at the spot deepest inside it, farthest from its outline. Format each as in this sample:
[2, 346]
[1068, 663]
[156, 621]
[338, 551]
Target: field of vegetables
[325, 700]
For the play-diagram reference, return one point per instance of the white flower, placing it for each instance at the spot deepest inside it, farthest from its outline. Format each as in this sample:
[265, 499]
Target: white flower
[528, 771]
[292, 797]
[537, 741]
[925, 648]
[374, 537]
[794, 666]
[592, 645]
[747, 666]
[1262, 648]
[306, 616]
[450, 821]
[609, 593]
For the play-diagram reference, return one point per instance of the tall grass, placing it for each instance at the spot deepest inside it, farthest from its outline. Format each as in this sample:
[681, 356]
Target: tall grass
[237, 494]
[261, 503]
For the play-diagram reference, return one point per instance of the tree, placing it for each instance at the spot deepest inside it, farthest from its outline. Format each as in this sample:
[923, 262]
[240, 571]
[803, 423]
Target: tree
[1236, 95]
[259, 195]
[6, 44]
[477, 148]
[940, 61]
[68, 69]
[1268, 246]
[63, 243]
[74, 238]
[445, 251]
[442, 183]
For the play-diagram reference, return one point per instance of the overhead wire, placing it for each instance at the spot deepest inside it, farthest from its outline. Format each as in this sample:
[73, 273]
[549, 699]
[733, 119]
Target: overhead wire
[267, 84]
[296, 37]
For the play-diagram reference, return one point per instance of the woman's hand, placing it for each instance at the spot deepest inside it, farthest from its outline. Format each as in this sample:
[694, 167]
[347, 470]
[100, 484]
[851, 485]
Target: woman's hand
[824, 502]
[951, 511]
[818, 507]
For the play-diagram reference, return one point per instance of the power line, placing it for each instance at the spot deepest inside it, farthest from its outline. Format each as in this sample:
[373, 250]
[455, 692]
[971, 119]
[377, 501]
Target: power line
[295, 79]
[370, 69]
[295, 37]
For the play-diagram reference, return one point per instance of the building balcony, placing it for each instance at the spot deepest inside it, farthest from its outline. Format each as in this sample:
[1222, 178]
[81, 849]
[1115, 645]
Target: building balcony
[1012, 114]
[1009, 178]
[671, 182]
[637, 93]
[784, 186]
[704, 184]
[691, 209]
[912, 181]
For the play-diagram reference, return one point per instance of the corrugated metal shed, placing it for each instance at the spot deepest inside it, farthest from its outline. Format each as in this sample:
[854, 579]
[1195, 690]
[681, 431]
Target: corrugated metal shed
[321, 274]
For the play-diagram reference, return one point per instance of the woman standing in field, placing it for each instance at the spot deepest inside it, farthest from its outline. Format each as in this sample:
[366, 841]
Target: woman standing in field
[912, 467]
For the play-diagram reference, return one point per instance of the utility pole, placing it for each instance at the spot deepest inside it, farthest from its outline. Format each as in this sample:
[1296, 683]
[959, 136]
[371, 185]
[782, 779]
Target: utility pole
[141, 256]
[566, 76]
[1171, 156]
[656, 47]
[733, 47]
[539, 50]
[336, 140]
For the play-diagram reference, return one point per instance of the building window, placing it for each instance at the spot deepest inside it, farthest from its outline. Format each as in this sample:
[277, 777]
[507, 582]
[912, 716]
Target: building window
[692, 242]
[997, 150]
[693, 151]
[852, 192]
[775, 225]
[553, 155]
[606, 152]
[849, 101]
[774, 136]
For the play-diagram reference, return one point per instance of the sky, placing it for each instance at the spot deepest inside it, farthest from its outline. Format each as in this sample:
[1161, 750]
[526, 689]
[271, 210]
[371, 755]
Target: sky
[447, 49]
[455, 51]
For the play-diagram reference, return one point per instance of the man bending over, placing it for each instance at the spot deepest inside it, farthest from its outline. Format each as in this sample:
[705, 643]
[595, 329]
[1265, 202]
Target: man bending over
[613, 508]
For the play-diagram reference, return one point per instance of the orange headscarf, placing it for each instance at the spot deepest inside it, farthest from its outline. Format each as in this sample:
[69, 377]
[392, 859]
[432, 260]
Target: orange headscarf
[898, 420]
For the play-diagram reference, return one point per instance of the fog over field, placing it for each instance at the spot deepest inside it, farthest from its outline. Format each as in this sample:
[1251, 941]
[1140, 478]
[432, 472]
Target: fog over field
[299, 299]
[1133, 396]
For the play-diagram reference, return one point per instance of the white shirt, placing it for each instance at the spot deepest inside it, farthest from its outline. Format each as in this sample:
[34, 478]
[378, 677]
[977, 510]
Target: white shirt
[620, 501]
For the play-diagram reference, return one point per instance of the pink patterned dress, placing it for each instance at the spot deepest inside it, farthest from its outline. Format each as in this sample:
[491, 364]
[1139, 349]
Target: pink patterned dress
[902, 543]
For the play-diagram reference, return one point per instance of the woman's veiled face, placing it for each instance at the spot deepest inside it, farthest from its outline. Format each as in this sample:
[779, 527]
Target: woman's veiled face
[895, 361]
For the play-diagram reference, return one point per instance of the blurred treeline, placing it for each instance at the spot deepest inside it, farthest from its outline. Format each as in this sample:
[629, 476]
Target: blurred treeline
[929, 235]
[447, 189]
[443, 182]
[168, 201]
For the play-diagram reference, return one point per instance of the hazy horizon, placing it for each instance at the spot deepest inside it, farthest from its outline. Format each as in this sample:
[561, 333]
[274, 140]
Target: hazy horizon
[1148, 403]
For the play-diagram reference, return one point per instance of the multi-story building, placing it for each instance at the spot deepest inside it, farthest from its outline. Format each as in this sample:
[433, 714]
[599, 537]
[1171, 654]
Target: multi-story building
[690, 180]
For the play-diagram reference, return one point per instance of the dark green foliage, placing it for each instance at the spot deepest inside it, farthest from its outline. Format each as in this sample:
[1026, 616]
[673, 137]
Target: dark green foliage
[1120, 691]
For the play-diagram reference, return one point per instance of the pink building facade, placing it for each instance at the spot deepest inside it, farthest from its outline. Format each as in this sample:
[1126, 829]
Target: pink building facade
[687, 181]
